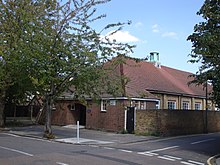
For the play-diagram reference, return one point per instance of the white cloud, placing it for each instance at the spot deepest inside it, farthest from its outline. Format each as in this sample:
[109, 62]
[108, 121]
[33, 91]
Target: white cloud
[170, 34]
[155, 28]
[122, 36]
[138, 24]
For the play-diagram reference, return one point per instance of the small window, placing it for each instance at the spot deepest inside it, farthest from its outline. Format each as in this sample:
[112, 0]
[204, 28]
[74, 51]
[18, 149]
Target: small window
[72, 107]
[135, 104]
[53, 107]
[152, 57]
[157, 105]
[104, 104]
[197, 106]
[142, 105]
[171, 104]
[112, 102]
[185, 105]
[157, 56]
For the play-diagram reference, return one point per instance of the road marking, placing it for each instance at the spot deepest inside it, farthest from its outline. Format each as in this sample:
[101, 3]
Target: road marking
[18, 151]
[151, 152]
[60, 163]
[191, 162]
[147, 154]
[10, 134]
[187, 163]
[109, 148]
[125, 151]
[173, 157]
[195, 162]
[202, 141]
[166, 158]
[162, 149]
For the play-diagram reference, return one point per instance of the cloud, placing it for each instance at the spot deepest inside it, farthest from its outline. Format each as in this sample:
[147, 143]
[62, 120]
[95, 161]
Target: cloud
[138, 24]
[170, 34]
[122, 36]
[155, 28]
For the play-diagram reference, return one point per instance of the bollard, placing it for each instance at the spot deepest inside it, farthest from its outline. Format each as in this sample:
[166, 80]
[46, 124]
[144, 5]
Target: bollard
[77, 131]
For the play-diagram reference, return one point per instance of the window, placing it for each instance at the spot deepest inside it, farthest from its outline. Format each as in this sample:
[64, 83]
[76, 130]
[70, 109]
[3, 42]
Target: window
[152, 57]
[185, 105]
[135, 104]
[142, 105]
[171, 104]
[157, 56]
[112, 102]
[104, 104]
[197, 106]
[72, 107]
[157, 105]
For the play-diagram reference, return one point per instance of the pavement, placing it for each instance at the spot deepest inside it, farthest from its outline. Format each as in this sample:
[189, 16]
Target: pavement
[68, 134]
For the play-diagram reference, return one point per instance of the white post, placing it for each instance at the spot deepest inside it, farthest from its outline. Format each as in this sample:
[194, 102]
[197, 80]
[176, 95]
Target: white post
[77, 131]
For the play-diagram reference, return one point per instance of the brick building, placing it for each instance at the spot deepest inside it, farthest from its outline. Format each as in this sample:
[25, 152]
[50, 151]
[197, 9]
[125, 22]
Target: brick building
[150, 86]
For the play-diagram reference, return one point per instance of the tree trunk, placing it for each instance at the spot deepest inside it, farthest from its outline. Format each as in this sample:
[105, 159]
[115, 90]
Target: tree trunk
[48, 129]
[2, 107]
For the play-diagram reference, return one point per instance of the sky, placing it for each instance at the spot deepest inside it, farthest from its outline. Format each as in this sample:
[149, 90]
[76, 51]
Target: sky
[157, 25]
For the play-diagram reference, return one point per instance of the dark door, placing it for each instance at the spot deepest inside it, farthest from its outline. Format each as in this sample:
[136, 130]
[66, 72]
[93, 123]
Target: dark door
[130, 120]
[82, 120]
[81, 109]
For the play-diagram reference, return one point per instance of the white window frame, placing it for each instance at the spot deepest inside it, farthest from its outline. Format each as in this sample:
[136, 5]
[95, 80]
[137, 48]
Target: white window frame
[104, 104]
[198, 106]
[173, 104]
[185, 105]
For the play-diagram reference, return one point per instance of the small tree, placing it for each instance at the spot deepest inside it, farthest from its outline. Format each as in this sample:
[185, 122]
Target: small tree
[206, 48]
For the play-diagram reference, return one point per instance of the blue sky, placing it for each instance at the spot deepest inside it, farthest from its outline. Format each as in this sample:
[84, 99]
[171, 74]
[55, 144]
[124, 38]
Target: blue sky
[157, 25]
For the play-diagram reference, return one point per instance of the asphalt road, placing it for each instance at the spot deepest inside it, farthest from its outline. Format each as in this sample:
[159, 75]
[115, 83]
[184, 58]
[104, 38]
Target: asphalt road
[188, 150]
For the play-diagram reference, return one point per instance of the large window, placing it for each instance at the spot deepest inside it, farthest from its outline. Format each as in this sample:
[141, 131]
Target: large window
[185, 105]
[197, 106]
[171, 104]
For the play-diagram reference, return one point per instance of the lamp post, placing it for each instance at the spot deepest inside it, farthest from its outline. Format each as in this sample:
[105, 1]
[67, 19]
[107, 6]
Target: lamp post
[206, 107]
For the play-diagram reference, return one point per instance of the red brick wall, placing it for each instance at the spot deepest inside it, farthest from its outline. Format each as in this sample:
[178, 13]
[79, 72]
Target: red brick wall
[111, 120]
[63, 115]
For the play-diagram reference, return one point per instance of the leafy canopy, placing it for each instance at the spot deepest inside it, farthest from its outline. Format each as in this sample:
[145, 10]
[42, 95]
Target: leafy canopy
[47, 46]
[206, 48]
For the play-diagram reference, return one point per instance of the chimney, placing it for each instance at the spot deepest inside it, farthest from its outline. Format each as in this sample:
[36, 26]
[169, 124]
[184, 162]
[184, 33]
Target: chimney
[155, 59]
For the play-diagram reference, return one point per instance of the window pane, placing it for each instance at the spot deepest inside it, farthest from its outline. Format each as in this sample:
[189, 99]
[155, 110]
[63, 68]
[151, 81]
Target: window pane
[171, 105]
[185, 105]
[197, 106]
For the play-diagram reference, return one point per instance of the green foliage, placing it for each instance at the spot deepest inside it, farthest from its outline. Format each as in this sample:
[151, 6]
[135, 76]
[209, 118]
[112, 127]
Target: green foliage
[49, 42]
[206, 49]
[47, 46]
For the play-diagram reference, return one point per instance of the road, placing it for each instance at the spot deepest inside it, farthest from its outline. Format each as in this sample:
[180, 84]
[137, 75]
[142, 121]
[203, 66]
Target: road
[188, 150]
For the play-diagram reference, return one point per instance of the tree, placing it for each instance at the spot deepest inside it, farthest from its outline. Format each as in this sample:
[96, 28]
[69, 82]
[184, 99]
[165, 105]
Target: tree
[52, 46]
[206, 48]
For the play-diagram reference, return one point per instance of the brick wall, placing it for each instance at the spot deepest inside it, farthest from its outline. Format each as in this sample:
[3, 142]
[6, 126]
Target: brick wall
[175, 122]
[63, 115]
[111, 120]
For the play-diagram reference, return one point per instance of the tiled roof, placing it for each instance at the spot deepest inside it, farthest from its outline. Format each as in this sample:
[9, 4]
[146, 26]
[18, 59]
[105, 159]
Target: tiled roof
[145, 76]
